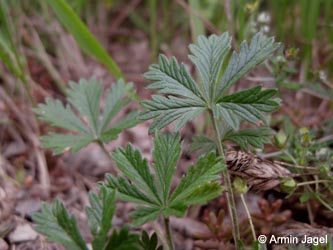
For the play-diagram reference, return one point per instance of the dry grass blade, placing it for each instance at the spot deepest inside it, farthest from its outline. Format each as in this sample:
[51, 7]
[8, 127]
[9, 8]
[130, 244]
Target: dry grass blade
[32, 137]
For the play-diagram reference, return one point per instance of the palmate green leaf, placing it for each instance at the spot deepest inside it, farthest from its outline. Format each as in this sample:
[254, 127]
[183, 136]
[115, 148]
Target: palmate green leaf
[171, 78]
[141, 215]
[190, 190]
[136, 169]
[168, 109]
[254, 137]
[208, 56]
[249, 56]
[59, 142]
[86, 126]
[86, 96]
[128, 192]
[100, 215]
[183, 99]
[249, 105]
[204, 193]
[55, 222]
[58, 115]
[114, 102]
[152, 191]
[164, 164]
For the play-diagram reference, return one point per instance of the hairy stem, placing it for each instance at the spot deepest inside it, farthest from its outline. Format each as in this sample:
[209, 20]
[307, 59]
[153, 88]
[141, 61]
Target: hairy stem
[249, 218]
[168, 233]
[229, 194]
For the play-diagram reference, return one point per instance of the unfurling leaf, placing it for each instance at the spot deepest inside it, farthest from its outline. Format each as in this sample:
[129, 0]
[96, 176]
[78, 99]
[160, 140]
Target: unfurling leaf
[85, 124]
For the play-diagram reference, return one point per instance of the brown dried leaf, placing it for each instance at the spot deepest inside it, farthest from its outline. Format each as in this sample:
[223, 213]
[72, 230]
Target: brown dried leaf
[260, 174]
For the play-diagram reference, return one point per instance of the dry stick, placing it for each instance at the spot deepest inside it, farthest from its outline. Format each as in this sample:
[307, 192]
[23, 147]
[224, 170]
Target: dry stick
[30, 134]
[229, 194]
[211, 27]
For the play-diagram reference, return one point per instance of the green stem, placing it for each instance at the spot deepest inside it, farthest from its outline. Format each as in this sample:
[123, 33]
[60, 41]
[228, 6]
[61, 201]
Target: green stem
[249, 218]
[168, 233]
[313, 182]
[229, 194]
[102, 146]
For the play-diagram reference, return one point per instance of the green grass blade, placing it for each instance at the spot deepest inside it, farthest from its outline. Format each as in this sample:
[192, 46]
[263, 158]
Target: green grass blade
[83, 36]
[8, 53]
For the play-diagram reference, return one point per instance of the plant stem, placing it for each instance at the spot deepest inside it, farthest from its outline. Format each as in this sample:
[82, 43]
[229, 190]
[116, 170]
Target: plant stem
[249, 217]
[313, 182]
[229, 194]
[102, 146]
[168, 233]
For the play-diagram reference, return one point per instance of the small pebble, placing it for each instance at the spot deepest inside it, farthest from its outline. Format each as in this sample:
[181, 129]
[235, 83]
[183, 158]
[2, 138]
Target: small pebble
[22, 233]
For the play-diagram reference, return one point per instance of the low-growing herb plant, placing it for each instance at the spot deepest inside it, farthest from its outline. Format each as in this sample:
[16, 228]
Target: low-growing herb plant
[184, 99]
[180, 99]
